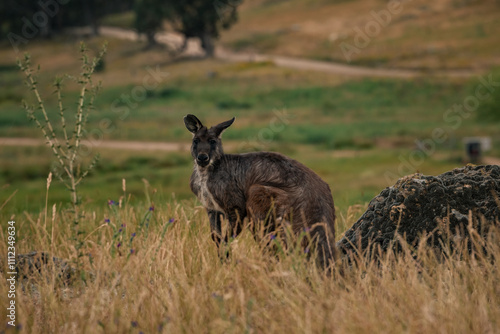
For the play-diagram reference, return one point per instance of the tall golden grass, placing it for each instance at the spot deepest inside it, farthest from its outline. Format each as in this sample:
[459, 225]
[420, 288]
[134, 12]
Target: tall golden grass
[168, 278]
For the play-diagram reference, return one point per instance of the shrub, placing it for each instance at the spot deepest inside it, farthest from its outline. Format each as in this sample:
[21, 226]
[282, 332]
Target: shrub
[66, 146]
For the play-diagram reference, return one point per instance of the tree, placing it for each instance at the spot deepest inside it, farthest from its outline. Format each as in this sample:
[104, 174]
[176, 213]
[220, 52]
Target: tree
[202, 19]
[32, 19]
[90, 12]
[16, 15]
[149, 16]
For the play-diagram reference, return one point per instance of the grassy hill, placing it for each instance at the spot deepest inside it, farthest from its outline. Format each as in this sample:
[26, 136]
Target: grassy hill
[452, 34]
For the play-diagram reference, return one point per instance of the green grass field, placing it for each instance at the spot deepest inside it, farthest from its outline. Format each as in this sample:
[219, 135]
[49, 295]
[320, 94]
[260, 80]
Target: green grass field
[351, 132]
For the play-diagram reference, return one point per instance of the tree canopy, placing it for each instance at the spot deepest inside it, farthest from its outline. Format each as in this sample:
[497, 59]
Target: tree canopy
[202, 18]
[27, 19]
[149, 17]
[22, 20]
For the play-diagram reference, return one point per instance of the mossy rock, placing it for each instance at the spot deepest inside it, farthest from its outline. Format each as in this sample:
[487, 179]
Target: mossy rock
[445, 208]
[35, 264]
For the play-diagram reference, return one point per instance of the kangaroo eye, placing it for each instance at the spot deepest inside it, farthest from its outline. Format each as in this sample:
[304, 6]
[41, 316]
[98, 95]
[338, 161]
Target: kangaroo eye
[212, 141]
[196, 141]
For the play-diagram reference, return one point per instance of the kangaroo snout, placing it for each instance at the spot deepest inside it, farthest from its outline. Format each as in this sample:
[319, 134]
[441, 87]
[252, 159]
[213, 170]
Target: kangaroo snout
[202, 159]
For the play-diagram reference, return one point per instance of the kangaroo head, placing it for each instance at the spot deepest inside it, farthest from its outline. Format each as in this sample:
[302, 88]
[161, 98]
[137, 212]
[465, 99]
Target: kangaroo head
[207, 145]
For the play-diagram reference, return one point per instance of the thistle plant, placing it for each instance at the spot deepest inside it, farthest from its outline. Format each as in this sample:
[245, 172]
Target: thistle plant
[66, 145]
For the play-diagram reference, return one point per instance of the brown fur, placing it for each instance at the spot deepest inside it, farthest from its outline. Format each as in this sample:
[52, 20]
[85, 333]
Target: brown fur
[268, 188]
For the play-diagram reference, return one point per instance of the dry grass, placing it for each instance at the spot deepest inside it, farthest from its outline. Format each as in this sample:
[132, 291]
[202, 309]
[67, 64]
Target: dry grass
[441, 34]
[174, 282]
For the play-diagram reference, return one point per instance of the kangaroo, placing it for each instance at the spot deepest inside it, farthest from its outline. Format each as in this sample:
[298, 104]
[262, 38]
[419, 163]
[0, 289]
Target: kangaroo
[264, 187]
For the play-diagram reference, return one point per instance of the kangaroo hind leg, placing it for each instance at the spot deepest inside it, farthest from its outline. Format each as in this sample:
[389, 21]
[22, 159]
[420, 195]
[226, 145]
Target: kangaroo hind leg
[266, 208]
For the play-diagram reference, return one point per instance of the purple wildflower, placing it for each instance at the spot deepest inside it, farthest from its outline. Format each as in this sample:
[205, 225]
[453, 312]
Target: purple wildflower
[107, 221]
[119, 245]
[120, 230]
[152, 208]
[111, 202]
[123, 225]
[273, 236]
[133, 234]
[171, 220]
[132, 251]
[134, 323]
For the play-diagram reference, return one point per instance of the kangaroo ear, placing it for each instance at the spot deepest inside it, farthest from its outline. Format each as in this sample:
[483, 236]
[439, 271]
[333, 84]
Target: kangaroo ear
[193, 124]
[219, 128]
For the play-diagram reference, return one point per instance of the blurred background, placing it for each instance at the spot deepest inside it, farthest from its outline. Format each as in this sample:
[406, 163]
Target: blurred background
[361, 91]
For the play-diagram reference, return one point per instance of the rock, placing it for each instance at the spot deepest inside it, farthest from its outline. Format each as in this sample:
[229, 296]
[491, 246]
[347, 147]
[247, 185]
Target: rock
[40, 263]
[444, 206]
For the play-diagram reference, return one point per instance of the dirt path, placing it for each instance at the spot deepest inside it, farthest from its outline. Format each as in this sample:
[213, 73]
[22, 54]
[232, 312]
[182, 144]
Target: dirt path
[109, 144]
[194, 49]
[175, 147]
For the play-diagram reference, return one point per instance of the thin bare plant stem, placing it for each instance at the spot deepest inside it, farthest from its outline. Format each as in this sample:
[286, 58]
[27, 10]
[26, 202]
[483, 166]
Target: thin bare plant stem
[52, 142]
[67, 157]
[58, 85]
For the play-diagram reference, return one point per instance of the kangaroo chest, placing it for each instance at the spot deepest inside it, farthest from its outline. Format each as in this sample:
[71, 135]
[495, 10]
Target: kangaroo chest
[200, 185]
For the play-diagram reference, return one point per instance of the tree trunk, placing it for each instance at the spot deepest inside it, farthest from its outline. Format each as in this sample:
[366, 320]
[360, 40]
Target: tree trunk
[150, 35]
[95, 28]
[207, 44]
[90, 17]
[46, 30]
[183, 45]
